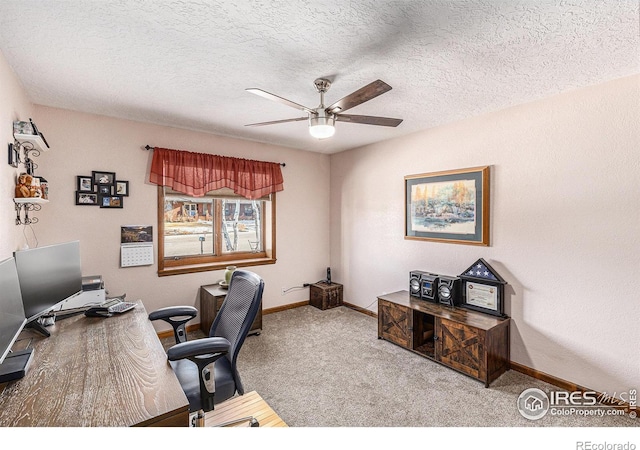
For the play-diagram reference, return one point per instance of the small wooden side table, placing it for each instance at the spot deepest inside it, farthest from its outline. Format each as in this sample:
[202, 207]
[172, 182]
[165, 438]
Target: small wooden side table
[324, 295]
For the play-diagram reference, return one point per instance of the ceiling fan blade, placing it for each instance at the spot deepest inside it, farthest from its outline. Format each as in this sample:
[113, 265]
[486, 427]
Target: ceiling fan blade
[278, 99]
[369, 120]
[276, 121]
[362, 95]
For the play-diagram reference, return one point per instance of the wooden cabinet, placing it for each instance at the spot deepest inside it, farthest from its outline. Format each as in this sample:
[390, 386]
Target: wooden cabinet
[467, 341]
[323, 295]
[211, 298]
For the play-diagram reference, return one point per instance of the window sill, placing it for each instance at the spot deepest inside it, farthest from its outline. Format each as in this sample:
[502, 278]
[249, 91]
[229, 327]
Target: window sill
[206, 267]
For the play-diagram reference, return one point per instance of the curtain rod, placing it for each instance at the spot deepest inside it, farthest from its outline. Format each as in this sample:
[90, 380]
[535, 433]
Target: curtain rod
[148, 147]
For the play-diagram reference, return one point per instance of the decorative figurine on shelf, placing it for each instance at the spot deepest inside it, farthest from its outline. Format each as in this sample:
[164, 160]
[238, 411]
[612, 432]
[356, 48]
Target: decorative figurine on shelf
[23, 187]
[44, 187]
[35, 189]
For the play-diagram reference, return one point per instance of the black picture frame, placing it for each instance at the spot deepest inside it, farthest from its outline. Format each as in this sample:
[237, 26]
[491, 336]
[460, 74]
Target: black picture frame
[84, 183]
[13, 156]
[105, 189]
[121, 187]
[86, 198]
[110, 201]
[483, 289]
[103, 177]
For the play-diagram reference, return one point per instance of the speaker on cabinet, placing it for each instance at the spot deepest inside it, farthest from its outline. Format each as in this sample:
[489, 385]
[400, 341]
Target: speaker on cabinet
[450, 290]
[414, 283]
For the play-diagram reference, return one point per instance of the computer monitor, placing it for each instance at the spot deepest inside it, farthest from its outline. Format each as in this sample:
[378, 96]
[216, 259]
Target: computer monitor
[12, 318]
[48, 276]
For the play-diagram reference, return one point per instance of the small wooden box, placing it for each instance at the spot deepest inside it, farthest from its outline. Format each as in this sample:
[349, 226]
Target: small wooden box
[324, 296]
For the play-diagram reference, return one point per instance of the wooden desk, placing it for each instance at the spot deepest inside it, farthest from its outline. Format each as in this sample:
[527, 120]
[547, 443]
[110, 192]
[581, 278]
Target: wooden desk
[96, 372]
[249, 404]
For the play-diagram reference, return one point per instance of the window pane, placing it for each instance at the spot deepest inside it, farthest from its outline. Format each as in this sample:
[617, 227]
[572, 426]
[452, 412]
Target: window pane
[188, 227]
[215, 231]
[242, 225]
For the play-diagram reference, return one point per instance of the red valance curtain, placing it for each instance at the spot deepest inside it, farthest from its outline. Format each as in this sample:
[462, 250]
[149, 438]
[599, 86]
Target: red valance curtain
[195, 174]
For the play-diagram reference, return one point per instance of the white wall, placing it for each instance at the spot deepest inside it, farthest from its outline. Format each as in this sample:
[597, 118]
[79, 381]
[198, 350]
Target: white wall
[82, 142]
[14, 105]
[565, 196]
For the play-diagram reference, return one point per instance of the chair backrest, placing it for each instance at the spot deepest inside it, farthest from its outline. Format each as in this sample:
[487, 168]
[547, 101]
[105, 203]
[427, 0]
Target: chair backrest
[237, 313]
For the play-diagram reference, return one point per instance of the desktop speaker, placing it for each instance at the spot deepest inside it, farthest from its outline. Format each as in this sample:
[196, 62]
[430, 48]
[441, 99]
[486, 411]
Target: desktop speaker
[415, 288]
[450, 290]
[429, 287]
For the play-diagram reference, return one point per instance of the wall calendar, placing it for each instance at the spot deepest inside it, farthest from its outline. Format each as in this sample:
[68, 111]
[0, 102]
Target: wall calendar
[136, 245]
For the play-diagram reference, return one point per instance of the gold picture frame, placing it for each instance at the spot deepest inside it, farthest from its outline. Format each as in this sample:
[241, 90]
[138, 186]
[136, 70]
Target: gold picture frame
[450, 206]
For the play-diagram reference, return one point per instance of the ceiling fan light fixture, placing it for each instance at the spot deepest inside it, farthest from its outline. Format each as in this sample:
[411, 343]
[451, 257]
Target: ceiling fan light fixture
[322, 120]
[322, 127]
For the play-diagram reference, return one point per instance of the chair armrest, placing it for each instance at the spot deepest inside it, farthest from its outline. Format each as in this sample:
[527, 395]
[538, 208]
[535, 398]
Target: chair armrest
[199, 347]
[173, 311]
[177, 317]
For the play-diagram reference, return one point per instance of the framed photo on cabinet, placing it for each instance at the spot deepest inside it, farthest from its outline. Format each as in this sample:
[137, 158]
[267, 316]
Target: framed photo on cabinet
[450, 206]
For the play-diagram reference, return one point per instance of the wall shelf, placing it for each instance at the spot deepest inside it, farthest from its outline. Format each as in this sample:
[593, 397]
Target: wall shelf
[24, 145]
[26, 205]
[36, 141]
[31, 200]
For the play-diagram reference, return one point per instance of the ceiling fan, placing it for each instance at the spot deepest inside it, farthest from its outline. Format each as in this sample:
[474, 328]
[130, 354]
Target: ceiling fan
[322, 119]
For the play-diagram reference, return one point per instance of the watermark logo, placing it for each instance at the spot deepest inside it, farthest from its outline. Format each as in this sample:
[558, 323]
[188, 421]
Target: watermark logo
[533, 404]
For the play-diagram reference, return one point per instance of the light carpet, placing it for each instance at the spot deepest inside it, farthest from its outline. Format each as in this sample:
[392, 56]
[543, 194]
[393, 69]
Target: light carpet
[329, 369]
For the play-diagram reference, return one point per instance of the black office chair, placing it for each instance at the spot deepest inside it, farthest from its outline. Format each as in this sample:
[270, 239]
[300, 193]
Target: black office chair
[191, 359]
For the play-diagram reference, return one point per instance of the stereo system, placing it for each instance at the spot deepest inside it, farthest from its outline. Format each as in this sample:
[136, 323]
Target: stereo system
[435, 288]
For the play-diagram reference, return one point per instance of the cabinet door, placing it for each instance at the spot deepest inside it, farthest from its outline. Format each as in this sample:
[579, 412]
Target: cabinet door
[460, 347]
[394, 323]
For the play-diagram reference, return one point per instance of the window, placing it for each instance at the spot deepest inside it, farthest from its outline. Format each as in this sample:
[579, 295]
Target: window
[211, 232]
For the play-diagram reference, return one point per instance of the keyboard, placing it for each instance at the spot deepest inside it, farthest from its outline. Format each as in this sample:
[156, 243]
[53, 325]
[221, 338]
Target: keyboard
[117, 306]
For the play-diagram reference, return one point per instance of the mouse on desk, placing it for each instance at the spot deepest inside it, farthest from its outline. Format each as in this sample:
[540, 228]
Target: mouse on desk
[98, 311]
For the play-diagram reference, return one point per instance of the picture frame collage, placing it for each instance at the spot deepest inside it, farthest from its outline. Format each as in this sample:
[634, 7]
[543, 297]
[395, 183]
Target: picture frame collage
[101, 188]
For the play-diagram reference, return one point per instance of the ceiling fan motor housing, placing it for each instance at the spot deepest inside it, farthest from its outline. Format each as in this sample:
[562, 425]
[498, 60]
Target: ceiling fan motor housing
[322, 124]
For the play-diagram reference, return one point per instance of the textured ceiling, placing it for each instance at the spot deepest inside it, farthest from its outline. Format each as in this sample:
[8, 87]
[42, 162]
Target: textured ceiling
[187, 63]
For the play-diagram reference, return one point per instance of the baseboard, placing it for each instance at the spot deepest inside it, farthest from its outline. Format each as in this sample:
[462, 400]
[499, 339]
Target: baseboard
[284, 307]
[538, 375]
[572, 387]
[360, 309]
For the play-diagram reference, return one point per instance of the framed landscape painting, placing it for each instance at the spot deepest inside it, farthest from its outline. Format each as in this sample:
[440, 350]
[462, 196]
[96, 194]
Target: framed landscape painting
[450, 206]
